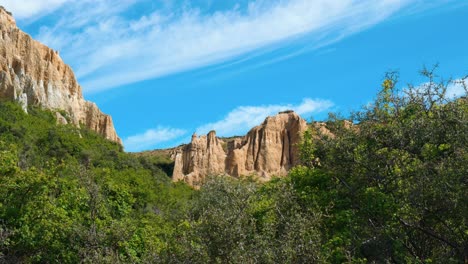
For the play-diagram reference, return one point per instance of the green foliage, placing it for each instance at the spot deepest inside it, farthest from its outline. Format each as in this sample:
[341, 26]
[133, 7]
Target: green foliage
[68, 195]
[233, 221]
[393, 186]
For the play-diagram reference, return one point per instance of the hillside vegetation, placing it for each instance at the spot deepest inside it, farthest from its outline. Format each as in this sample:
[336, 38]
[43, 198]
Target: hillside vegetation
[387, 185]
[67, 194]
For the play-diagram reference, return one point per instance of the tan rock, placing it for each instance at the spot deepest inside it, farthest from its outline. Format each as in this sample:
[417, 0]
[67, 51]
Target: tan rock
[33, 74]
[202, 157]
[61, 120]
[267, 150]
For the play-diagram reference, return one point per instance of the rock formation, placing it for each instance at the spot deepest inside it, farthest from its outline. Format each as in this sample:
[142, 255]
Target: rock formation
[267, 150]
[203, 156]
[33, 74]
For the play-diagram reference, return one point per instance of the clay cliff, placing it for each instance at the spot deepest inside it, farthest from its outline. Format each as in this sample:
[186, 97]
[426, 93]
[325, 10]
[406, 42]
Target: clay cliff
[33, 74]
[267, 150]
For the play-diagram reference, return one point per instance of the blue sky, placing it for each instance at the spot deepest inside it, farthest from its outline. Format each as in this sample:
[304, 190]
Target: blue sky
[165, 69]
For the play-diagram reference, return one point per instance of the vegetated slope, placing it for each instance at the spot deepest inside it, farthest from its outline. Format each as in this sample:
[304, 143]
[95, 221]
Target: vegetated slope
[69, 195]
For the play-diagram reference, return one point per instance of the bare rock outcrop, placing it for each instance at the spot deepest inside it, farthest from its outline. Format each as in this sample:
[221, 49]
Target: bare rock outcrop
[33, 74]
[267, 150]
[203, 156]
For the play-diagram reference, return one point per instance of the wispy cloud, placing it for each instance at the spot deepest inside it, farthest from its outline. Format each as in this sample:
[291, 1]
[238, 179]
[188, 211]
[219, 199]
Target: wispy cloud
[109, 49]
[32, 9]
[243, 118]
[237, 122]
[151, 138]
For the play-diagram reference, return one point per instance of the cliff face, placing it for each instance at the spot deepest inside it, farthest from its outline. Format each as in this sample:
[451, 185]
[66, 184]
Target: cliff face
[269, 149]
[203, 156]
[34, 74]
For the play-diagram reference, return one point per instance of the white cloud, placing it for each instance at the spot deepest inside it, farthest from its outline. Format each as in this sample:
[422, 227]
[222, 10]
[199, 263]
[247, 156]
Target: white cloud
[108, 50]
[243, 118]
[31, 9]
[151, 138]
[457, 88]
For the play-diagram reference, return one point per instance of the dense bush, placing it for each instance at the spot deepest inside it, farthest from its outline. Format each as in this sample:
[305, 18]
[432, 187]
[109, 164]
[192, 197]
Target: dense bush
[241, 221]
[394, 184]
[68, 195]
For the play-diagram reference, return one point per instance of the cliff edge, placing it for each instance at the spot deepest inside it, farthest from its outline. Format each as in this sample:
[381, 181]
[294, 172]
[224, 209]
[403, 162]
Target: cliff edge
[33, 74]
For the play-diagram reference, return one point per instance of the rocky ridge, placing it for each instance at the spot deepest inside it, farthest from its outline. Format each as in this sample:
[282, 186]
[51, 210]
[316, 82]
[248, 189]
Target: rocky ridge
[267, 150]
[33, 74]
